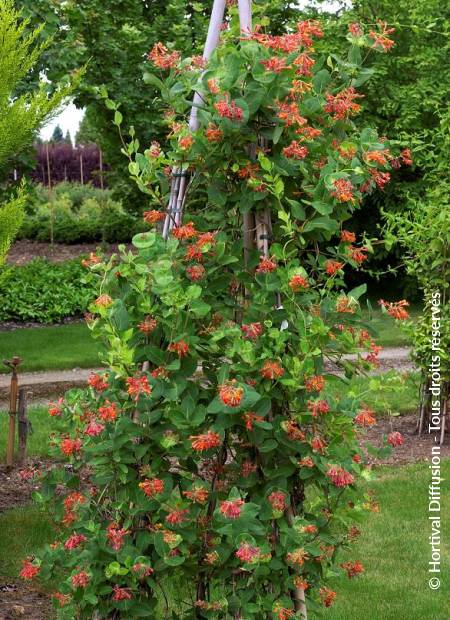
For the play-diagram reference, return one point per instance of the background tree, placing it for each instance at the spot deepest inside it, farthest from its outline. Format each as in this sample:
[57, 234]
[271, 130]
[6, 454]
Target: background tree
[115, 39]
[20, 114]
[57, 135]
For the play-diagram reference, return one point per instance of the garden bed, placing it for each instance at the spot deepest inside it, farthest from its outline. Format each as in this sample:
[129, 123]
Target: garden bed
[22, 252]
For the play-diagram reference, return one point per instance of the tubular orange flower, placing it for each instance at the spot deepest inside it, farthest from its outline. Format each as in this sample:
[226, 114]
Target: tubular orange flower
[395, 439]
[275, 64]
[55, 409]
[152, 487]
[162, 58]
[295, 151]
[327, 596]
[272, 370]
[297, 557]
[380, 178]
[80, 580]
[229, 110]
[353, 568]
[108, 412]
[185, 142]
[29, 570]
[247, 553]
[70, 446]
[98, 382]
[250, 418]
[343, 105]
[289, 113]
[198, 495]
[147, 325]
[266, 265]
[298, 282]
[316, 383]
[347, 236]
[181, 348]
[332, 267]
[230, 393]
[121, 594]
[396, 309]
[103, 301]
[185, 232]
[74, 541]
[196, 272]
[213, 133]
[317, 407]
[365, 417]
[154, 216]
[92, 260]
[213, 86]
[138, 386]
[231, 509]
[63, 599]
[339, 476]
[205, 441]
[379, 157]
[277, 499]
[252, 331]
[380, 38]
[343, 190]
[94, 428]
[304, 64]
[116, 535]
[175, 517]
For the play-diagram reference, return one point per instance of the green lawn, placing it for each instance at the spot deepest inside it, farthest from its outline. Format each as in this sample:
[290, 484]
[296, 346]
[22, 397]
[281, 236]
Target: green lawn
[393, 548]
[48, 348]
[395, 552]
[72, 346]
[389, 332]
[37, 440]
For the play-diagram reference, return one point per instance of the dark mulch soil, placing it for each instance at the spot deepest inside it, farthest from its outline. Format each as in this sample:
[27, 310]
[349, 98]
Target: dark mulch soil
[414, 448]
[14, 491]
[19, 600]
[24, 251]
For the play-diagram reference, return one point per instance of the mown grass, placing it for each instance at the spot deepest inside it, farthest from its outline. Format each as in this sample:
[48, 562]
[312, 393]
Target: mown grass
[49, 348]
[38, 441]
[395, 552]
[70, 346]
[393, 548]
[389, 332]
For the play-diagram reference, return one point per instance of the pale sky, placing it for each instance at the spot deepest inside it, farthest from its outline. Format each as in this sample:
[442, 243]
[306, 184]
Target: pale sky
[70, 118]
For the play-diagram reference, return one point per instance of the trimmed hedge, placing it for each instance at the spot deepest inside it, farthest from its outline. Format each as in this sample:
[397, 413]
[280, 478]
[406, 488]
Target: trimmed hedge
[44, 292]
[77, 214]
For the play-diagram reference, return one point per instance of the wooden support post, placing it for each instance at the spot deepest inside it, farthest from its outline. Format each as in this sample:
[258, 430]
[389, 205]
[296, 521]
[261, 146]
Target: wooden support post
[13, 365]
[179, 179]
[23, 425]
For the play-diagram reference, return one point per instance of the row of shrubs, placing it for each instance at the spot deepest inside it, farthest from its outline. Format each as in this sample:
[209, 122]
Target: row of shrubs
[72, 213]
[44, 292]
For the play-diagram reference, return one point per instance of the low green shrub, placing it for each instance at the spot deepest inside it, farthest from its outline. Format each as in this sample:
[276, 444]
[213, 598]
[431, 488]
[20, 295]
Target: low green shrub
[74, 213]
[44, 292]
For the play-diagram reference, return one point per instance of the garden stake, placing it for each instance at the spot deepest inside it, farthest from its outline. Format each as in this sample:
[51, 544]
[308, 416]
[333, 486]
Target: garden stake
[263, 227]
[179, 176]
[23, 425]
[13, 364]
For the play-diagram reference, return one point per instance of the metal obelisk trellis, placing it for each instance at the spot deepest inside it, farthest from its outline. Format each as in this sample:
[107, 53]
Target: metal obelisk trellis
[257, 225]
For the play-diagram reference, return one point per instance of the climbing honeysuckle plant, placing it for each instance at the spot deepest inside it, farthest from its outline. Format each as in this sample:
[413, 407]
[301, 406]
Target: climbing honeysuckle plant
[212, 469]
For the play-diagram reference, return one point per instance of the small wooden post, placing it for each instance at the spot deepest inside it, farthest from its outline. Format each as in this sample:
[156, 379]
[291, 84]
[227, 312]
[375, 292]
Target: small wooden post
[23, 425]
[13, 364]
